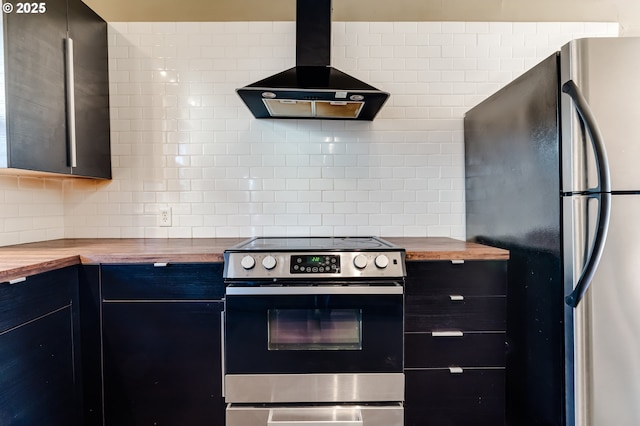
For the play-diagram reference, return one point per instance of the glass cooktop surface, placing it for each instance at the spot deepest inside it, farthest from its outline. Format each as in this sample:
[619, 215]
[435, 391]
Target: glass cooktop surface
[314, 243]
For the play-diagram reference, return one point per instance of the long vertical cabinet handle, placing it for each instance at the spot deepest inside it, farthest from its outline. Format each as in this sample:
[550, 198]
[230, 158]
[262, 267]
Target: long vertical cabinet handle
[222, 350]
[602, 192]
[71, 102]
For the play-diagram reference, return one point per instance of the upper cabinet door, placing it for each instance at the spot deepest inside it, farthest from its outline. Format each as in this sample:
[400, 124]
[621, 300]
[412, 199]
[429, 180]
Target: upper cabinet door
[91, 70]
[51, 128]
[35, 97]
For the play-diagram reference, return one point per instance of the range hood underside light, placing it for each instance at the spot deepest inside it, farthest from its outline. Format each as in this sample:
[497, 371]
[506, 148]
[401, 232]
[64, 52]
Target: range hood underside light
[310, 109]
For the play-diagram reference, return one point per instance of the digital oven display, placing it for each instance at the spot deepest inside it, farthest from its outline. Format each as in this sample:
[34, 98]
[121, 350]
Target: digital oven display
[315, 263]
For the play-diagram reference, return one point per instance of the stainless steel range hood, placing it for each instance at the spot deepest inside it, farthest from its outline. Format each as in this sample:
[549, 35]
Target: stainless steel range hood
[313, 89]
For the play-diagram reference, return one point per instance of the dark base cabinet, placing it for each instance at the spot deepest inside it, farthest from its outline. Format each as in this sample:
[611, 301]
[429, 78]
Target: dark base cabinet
[486, 349]
[159, 363]
[36, 373]
[442, 398]
[39, 370]
[119, 345]
[91, 343]
[455, 343]
[161, 332]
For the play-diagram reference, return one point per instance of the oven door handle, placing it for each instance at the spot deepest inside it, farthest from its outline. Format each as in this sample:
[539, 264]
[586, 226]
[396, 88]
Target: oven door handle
[313, 290]
[315, 416]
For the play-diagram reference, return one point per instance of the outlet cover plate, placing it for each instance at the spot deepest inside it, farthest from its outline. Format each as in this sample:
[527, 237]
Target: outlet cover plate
[164, 216]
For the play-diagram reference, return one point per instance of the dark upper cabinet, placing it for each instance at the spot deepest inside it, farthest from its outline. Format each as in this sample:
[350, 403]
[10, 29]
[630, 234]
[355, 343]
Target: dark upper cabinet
[37, 134]
[34, 74]
[89, 33]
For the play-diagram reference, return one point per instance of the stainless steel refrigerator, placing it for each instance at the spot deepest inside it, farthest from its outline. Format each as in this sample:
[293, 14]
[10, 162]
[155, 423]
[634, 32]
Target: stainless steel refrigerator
[552, 165]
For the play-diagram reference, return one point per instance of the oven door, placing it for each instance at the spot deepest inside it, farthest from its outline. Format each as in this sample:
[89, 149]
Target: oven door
[314, 329]
[314, 344]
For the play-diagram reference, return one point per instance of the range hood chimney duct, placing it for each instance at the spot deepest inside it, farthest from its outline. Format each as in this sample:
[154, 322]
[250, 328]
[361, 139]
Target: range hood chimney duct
[313, 33]
[313, 89]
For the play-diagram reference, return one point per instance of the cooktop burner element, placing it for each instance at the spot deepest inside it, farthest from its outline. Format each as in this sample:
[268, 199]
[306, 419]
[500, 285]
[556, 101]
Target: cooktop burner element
[280, 258]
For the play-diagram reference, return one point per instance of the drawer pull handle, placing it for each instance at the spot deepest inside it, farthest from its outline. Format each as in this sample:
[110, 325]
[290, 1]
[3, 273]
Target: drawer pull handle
[17, 280]
[447, 333]
[457, 261]
[315, 416]
[160, 264]
[456, 370]
[456, 297]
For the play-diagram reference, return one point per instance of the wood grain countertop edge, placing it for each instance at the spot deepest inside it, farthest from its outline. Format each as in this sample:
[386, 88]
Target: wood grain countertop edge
[34, 258]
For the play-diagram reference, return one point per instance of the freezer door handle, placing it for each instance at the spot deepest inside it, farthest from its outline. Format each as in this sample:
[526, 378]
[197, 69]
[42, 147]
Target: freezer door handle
[592, 129]
[602, 192]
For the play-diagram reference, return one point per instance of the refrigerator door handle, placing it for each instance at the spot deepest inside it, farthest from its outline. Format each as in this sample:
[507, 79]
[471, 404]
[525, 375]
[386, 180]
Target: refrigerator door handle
[602, 192]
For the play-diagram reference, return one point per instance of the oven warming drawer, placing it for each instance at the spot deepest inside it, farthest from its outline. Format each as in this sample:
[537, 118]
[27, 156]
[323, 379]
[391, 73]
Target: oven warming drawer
[314, 388]
[342, 415]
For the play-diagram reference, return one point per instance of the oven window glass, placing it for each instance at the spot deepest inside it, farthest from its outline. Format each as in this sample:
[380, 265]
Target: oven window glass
[315, 329]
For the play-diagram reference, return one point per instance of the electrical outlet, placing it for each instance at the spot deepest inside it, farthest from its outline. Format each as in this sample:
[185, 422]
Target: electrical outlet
[164, 216]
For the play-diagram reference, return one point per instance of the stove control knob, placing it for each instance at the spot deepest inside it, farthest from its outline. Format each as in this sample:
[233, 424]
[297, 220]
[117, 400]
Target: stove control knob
[360, 261]
[248, 262]
[269, 262]
[382, 261]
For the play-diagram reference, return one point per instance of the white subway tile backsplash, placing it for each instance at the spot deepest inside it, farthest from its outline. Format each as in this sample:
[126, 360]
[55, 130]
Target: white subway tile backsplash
[181, 137]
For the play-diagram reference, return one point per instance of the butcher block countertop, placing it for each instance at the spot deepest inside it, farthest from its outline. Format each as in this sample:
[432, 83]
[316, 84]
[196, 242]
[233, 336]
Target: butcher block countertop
[33, 258]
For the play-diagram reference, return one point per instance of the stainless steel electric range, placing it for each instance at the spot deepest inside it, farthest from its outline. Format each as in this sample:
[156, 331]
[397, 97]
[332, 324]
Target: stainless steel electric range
[313, 332]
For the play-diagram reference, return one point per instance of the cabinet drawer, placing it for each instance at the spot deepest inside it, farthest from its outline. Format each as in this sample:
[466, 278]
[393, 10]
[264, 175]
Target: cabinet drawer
[429, 313]
[471, 278]
[440, 398]
[467, 350]
[36, 296]
[175, 281]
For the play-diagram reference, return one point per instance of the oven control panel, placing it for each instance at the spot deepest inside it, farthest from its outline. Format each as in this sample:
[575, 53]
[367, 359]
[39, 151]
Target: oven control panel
[314, 264]
[276, 265]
